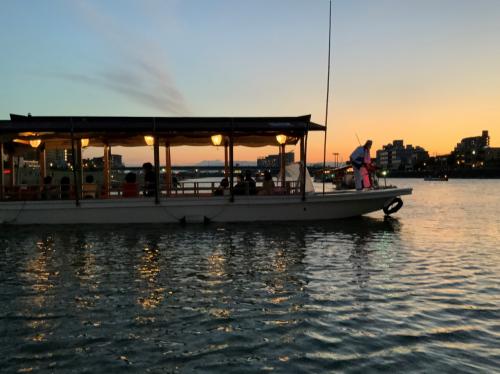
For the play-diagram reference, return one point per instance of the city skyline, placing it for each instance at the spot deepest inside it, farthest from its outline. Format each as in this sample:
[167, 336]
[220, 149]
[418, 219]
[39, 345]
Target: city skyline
[421, 71]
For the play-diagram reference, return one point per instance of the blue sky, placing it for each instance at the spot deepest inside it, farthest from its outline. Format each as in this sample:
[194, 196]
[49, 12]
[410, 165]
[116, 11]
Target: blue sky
[425, 71]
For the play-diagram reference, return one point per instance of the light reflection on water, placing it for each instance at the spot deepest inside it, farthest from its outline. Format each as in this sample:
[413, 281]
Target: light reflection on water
[418, 292]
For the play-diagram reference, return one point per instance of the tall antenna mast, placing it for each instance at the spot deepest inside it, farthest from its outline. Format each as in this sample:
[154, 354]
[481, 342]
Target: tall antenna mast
[327, 93]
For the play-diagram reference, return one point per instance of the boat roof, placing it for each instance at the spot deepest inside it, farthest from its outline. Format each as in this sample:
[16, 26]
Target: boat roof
[56, 131]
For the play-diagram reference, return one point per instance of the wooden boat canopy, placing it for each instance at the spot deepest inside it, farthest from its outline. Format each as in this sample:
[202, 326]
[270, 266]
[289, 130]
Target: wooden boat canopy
[57, 131]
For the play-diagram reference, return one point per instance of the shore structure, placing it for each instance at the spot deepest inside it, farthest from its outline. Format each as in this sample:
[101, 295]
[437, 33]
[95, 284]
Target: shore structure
[68, 203]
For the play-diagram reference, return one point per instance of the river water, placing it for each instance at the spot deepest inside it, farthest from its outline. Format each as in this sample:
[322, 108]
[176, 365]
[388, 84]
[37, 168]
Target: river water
[419, 292]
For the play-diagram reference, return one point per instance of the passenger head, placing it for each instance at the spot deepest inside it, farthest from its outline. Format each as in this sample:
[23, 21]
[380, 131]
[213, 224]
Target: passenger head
[267, 175]
[65, 180]
[148, 166]
[368, 144]
[47, 180]
[248, 174]
[239, 177]
[130, 177]
[89, 178]
[224, 182]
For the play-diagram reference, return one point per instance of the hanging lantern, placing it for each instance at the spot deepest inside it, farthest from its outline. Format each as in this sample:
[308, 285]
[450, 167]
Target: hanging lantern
[150, 140]
[216, 139]
[85, 142]
[35, 143]
[281, 139]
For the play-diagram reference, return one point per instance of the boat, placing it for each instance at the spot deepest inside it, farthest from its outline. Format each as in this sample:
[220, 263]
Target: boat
[292, 200]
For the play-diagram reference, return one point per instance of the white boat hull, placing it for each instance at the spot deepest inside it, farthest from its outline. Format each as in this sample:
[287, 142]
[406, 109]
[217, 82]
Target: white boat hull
[200, 209]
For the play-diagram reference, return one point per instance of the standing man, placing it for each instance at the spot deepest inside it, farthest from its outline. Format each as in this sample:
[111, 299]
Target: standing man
[360, 160]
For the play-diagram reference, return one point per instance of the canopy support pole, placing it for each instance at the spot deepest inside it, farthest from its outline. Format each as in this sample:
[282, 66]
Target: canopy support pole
[75, 165]
[2, 175]
[231, 166]
[226, 166]
[157, 169]
[106, 171]
[12, 180]
[42, 161]
[168, 170]
[303, 167]
[282, 167]
[79, 164]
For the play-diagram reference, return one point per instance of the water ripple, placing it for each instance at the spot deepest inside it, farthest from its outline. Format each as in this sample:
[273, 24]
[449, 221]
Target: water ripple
[417, 293]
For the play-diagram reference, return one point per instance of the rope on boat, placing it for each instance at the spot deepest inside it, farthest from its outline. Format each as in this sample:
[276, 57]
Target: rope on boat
[10, 221]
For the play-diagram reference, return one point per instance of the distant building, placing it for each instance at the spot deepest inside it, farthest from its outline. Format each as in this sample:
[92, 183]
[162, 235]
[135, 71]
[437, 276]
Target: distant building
[115, 161]
[56, 158]
[471, 152]
[397, 156]
[273, 161]
[492, 157]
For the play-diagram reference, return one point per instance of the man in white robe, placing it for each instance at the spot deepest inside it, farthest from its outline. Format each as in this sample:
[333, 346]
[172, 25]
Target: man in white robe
[360, 160]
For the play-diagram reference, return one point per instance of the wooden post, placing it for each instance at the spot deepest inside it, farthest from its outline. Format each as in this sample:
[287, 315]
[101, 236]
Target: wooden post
[42, 161]
[282, 167]
[12, 180]
[231, 166]
[226, 165]
[79, 166]
[106, 171]
[2, 175]
[168, 170]
[157, 169]
[303, 166]
[76, 181]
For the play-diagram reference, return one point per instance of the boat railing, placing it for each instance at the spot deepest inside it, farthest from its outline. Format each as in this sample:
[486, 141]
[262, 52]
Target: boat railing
[117, 191]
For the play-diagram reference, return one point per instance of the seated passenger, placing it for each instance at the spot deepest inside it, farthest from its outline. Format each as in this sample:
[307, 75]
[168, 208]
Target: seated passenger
[222, 189]
[89, 188]
[239, 187]
[267, 184]
[48, 190]
[251, 188]
[65, 188]
[149, 179]
[130, 188]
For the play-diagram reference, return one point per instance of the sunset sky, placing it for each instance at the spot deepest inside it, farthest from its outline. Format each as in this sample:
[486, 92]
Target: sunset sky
[424, 71]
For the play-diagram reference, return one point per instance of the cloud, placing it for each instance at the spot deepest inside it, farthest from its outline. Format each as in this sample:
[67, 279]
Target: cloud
[142, 75]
